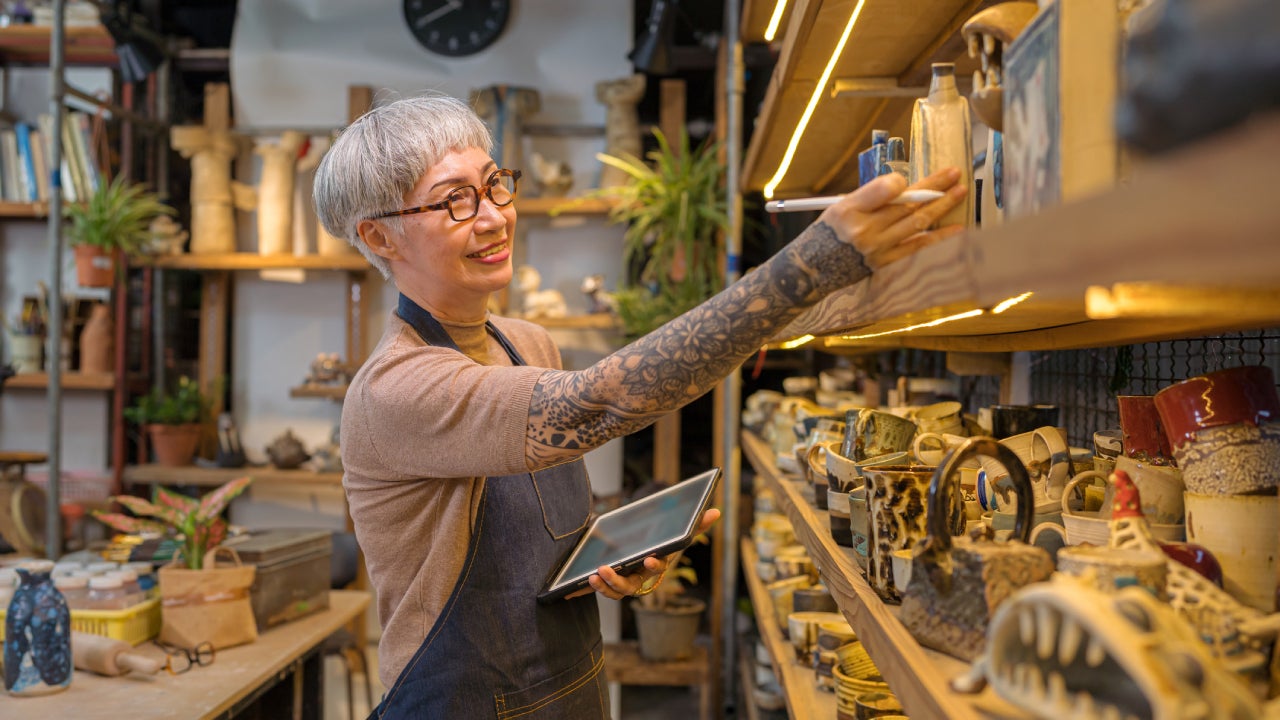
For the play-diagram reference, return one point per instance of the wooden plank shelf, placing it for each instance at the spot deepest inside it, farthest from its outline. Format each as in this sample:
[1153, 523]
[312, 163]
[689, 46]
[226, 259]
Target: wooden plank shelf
[253, 261]
[30, 44]
[328, 392]
[918, 676]
[70, 381]
[1125, 266]
[591, 321]
[799, 682]
[538, 206]
[213, 477]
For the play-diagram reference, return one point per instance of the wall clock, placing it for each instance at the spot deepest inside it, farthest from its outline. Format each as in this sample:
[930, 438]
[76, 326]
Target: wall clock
[456, 28]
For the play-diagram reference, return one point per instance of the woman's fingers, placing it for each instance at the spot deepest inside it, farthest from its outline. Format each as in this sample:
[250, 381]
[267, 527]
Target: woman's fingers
[912, 244]
[876, 193]
[921, 218]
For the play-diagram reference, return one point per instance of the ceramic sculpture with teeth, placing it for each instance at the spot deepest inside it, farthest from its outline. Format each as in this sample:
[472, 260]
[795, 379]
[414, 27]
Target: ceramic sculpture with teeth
[987, 34]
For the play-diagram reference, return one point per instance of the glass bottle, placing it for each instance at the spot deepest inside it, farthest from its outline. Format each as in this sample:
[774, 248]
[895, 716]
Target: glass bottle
[106, 592]
[74, 589]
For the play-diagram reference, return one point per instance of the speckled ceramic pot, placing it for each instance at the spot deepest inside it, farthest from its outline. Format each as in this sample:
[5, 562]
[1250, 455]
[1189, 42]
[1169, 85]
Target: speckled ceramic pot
[1225, 430]
[37, 634]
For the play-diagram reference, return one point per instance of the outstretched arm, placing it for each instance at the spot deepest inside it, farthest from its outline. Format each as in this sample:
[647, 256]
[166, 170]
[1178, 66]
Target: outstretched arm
[572, 412]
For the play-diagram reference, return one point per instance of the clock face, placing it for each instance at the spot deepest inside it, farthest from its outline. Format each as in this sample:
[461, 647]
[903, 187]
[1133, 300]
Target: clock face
[456, 27]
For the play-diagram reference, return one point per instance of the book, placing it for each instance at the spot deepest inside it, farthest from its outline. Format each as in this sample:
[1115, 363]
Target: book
[84, 146]
[64, 168]
[9, 161]
[40, 157]
[27, 179]
[69, 134]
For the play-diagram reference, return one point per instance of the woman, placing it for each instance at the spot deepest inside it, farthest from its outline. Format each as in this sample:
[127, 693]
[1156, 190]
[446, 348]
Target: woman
[462, 438]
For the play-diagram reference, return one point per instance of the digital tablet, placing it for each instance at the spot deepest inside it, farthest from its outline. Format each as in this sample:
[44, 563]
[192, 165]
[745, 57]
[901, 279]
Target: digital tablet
[658, 524]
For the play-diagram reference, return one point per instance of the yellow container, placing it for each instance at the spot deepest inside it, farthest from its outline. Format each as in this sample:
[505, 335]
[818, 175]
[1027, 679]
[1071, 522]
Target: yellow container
[135, 624]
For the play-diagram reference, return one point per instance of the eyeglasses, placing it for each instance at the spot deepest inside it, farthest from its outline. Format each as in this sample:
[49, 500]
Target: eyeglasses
[463, 202]
[179, 660]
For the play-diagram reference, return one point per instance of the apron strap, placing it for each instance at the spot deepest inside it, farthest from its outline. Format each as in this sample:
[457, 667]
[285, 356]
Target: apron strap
[433, 333]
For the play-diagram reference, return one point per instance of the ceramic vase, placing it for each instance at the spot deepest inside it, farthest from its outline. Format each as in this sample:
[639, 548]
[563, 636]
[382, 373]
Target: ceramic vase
[942, 137]
[37, 634]
[97, 342]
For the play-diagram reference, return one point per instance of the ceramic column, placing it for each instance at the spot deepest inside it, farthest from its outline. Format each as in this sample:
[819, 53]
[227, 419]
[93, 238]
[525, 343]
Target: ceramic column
[942, 136]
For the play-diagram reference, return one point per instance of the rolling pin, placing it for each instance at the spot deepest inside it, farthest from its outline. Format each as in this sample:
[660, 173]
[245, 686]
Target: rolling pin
[105, 656]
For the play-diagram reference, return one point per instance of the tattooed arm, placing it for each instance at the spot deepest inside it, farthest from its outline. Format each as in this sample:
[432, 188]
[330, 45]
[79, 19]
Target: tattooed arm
[572, 412]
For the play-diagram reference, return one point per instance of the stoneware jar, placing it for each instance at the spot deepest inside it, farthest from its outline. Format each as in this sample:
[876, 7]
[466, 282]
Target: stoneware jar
[37, 634]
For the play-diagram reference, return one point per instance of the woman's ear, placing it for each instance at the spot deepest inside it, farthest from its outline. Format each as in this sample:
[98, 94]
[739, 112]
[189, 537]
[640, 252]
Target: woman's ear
[375, 236]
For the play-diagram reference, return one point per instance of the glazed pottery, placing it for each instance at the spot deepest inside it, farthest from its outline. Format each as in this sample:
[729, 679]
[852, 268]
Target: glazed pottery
[1109, 570]
[37, 634]
[838, 517]
[957, 583]
[287, 451]
[793, 560]
[942, 137]
[1241, 532]
[816, 598]
[1225, 430]
[1047, 459]
[940, 417]
[873, 158]
[815, 463]
[25, 352]
[1108, 443]
[1161, 488]
[930, 448]
[770, 532]
[859, 526]
[97, 341]
[1095, 528]
[802, 630]
[870, 433]
[896, 496]
[1143, 436]
[876, 705]
[781, 592]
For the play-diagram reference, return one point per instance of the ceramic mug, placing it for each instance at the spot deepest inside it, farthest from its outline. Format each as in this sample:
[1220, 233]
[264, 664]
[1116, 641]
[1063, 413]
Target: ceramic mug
[838, 517]
[842, 472]
[869, 433]
[1224, 428]
[931, 447]
[1047, 458]
[859, 526]
[1111, 569]
[1241, 532]
[896, 501]
[940, 417]
[1143, 435]
[1160, 487]
[1081, 526]
[24, 352]
[815, 464]
[781, 592]
[1108, 443]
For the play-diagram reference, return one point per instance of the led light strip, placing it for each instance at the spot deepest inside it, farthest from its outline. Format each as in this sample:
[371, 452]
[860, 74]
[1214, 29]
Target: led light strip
[1006, 304]
[909, 328]
[793, 344]
[818, 91]
[774, 21]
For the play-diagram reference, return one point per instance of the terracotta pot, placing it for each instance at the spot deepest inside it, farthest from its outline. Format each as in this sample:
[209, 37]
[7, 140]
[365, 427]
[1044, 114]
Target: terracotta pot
[95, 267]
[97, 341]
[174, 445]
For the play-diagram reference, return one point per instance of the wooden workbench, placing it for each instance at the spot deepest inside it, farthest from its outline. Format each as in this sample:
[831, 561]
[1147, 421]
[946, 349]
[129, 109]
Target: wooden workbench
[235, 679]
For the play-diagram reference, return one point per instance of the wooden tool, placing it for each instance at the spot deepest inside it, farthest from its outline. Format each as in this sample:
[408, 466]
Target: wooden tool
[106, 656]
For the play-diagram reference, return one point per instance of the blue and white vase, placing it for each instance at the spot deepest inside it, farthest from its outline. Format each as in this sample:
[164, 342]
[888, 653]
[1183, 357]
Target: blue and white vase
[37, 634]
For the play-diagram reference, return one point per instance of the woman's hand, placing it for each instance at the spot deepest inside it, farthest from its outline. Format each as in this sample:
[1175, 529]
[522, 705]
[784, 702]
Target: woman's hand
[883, 232]
[615, 587]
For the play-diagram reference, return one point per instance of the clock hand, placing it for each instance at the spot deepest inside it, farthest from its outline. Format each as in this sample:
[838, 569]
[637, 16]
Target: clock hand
[438, 13]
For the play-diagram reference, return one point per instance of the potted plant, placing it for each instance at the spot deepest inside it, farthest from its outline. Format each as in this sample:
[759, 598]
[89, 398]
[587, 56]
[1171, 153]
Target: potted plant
[197, 523]
[115, 220]
[675, 212]
[172, 420]
[666, 620]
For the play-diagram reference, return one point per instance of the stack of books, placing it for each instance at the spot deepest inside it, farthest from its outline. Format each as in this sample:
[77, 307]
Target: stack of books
[26, 162]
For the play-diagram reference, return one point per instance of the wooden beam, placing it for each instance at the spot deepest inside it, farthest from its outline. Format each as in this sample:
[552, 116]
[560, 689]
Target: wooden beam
[671, 113]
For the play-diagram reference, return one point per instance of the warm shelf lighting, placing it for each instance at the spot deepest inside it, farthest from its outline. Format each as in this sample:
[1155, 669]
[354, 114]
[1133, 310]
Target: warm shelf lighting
[797, 342]
[909, 328]
[819, 90]
[775, 20]
[1006, 304]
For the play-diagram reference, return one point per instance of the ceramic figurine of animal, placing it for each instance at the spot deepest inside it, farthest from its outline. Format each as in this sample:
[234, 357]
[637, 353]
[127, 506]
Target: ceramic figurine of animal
[602, 300]
[554, 177]
[538, 303]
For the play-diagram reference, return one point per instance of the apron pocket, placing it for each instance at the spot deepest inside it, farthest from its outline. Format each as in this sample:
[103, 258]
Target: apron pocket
[578, 692]
[564, 494]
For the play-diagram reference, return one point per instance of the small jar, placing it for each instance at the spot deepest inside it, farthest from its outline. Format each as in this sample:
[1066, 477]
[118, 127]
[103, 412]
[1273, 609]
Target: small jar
[129, 583]
[146, 574]
[106, 592]
[99, 568]
[75, 588]
[66, 568]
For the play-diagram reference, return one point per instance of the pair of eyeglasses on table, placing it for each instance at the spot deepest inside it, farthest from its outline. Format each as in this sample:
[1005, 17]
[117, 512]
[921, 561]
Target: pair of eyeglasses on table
[179, 659]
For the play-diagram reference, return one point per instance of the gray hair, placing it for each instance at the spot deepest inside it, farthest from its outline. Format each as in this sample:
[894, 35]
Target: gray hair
[379, 158]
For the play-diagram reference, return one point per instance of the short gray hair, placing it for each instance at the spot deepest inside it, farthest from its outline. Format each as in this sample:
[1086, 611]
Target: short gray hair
[379, 158]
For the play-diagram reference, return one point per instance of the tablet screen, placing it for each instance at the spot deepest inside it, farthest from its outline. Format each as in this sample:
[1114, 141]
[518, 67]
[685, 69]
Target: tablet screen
[666, 518]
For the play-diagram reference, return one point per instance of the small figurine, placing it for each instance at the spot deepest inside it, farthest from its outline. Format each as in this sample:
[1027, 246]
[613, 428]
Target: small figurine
[327, 369]
[328, 458]
[602, 301]
[554, 177]
[166, 237]
[287, 451]
[230, 453]
[538, 303]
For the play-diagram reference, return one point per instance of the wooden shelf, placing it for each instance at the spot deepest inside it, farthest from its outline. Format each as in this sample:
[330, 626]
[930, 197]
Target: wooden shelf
[593, 321]
[29, 44]
[24, 210]
[919, 677]
[1126, 266]
[565, 206]
[70, 381]
[894, 41]
[213, 477]
[799, 682]
[328, 392]
[253, 261]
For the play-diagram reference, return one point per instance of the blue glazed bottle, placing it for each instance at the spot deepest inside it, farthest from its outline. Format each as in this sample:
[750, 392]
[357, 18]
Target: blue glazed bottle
[37, 634]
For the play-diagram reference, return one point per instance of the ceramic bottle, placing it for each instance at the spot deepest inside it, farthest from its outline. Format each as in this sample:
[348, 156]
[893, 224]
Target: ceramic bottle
[37, 634]
[942, 136]
[96, 341]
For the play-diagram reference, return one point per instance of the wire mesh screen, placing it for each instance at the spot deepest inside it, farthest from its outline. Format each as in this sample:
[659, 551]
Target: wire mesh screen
[1085, 383]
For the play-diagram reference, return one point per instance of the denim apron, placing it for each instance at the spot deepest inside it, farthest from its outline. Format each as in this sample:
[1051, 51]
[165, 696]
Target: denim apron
[494, 651]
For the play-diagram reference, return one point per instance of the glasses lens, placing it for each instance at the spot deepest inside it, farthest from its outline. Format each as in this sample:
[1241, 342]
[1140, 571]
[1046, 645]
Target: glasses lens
[179, 661]
[204, 654]
[502, 187]
[463, 202]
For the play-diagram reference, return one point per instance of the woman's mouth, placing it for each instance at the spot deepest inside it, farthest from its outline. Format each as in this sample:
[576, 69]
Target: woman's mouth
[489, 251]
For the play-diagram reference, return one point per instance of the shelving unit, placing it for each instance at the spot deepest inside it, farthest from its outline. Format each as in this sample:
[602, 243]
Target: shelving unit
[29, 45]
[799, 684]
[919, 677]
[214, 477]
[254, 261]
[70, 381]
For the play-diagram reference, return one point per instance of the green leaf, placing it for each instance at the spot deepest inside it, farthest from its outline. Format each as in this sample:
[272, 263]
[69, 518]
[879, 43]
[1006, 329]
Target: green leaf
[213, 503]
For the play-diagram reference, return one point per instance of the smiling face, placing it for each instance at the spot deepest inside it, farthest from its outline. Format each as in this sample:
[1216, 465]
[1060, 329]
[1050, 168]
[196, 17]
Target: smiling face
[448, 267]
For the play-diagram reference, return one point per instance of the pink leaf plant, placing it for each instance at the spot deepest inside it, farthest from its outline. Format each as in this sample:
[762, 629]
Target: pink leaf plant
[197, 523]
